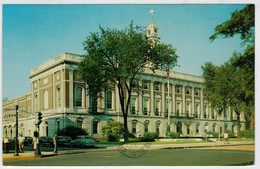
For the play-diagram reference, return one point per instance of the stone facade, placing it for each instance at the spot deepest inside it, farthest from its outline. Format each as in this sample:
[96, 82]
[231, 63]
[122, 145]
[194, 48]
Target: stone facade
[61, 96]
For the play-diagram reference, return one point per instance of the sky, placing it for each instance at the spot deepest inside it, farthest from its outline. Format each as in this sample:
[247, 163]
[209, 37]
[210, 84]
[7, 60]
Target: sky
[33, 34]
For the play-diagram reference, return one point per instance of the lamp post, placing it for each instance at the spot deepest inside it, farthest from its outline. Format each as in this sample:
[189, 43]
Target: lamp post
[16, 128]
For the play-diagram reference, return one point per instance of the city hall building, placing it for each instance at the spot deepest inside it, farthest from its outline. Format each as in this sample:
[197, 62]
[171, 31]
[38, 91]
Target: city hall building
[61, 96]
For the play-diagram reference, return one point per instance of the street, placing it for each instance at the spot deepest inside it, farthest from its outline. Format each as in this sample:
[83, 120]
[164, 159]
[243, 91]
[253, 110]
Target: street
[239, 155]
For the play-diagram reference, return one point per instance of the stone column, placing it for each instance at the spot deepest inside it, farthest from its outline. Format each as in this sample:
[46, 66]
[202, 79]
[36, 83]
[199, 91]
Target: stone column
[202, 105]
[71, 81]
[210, 116]
[63, 95]
[152, 99]
[173, 99]
[140, 101]
[183, 101]
[192, 101]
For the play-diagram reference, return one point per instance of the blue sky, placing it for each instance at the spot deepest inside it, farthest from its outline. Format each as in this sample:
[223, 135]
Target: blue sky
[33, 34]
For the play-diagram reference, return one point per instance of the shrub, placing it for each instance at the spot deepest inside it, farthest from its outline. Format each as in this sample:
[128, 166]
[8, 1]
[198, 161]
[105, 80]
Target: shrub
[174, 135]
[247, 134]
[72, 132]
[113, 130]
[150, 136]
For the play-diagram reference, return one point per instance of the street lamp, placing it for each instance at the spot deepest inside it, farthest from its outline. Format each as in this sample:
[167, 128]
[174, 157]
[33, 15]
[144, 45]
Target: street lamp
[16, 128]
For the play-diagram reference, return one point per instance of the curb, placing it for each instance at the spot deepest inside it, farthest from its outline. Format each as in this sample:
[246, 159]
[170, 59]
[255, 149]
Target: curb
[19, 157]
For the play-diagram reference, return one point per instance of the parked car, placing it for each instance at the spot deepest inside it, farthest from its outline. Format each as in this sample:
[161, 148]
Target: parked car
[64, 140]
[28, 141]
[83, 141]
[46, 141]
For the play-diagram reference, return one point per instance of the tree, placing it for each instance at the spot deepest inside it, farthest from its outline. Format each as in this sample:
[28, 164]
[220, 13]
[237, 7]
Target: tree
[243, 23]
[113, 130]
[116, 57]
[214, 88]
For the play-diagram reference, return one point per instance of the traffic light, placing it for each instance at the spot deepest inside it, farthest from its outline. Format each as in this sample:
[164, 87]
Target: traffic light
[39, 118]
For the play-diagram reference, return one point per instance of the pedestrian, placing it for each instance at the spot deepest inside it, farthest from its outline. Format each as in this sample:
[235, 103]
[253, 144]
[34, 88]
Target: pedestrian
[34, 143]
[21, 143]
[226, 138]
[55, 143]
[6, 144]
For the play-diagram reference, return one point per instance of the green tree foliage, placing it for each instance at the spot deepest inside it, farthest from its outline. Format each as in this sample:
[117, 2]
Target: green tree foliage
[72, 132]
[113, 130]
[242, 23]
[116, 57]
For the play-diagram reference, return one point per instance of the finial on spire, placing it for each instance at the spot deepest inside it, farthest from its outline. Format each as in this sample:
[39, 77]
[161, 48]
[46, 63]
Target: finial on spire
[152, 11]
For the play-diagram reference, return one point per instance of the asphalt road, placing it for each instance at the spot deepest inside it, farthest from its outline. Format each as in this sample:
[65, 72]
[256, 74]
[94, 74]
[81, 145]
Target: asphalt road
[166, 157]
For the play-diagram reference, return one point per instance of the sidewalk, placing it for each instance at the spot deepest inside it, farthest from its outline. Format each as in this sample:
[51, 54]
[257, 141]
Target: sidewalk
[30, 154]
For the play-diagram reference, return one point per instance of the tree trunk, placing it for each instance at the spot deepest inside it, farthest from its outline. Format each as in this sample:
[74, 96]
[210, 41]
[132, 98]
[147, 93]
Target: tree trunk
[238, 125]
[124, 111]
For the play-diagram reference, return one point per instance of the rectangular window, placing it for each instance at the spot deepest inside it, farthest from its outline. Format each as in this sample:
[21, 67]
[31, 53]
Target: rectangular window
[196, 92]
[157, 108]
[109, 99]
[145, 107]
[188, 90]
[145, 84]
[178, 89]
[157, 86]
[133, 105]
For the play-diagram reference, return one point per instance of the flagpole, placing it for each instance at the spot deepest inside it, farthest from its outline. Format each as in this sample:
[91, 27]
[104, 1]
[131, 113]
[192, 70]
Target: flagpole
[168, 124]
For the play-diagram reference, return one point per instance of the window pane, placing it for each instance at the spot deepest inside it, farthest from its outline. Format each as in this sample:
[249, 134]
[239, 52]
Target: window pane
[95, 127]
[109, 99]
[78, 96]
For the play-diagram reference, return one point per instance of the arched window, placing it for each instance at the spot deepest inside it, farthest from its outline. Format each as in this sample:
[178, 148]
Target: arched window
[57, 124]
[95, 126]
[197, 128]
[179, 127]
[158, 127]
[78, 97]
[206, 128]
[214, 128]
[58, 97]
[146, 126]
[79, 122]
[36, 102]
[134, 122]
[109, 99]
[46, 100]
